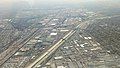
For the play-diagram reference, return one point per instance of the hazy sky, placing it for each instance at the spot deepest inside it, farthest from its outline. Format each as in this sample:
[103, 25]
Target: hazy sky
[109, 2]
[52, 1]
[9, 2]
[61, 1]
[57, 1]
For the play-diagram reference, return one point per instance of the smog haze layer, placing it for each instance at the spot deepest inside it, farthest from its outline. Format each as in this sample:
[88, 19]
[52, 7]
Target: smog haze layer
[8, 6]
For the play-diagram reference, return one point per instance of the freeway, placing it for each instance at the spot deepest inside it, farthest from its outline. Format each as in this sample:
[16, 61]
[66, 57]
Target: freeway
[14, 48]
[9, 52]
[50, 51]
[79, 52]
[41, 59]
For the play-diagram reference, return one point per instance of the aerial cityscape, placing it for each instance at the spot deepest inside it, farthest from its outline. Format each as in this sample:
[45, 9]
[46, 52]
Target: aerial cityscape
[59, 34]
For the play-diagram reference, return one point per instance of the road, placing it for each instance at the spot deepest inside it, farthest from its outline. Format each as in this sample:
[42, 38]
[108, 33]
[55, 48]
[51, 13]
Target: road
[50, 51]
[8, 53]
[14, 48]
[78, 52]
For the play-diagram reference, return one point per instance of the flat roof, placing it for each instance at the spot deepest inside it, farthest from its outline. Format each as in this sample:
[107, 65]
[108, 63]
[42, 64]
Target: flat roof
[53, 34]
[59, 57]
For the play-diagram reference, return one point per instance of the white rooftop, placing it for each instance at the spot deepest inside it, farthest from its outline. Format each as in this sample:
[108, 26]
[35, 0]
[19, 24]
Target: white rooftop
[59, 57]
[64, 30]
[53, 34]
